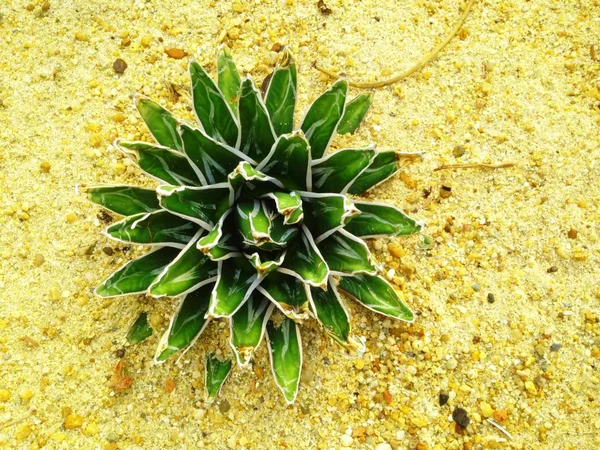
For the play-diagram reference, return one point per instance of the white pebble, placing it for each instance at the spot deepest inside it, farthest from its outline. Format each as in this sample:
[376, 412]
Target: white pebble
[346, 440]
[383, 446]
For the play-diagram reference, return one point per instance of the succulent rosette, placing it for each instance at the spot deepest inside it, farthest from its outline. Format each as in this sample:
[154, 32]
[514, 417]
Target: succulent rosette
[252, 216]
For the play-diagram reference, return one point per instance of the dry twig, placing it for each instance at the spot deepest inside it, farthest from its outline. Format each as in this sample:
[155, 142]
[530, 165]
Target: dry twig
[425, 60]
[475, 166]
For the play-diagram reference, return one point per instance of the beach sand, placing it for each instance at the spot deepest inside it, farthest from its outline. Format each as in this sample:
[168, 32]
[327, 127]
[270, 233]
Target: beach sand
[507, 291]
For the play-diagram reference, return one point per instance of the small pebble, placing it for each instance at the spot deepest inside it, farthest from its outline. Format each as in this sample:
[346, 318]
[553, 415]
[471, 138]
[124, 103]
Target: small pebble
[552, 269]
[572, 234]
[476, 287]
[383, 446]
[108, 251]
[81, 36]
[555, 347]
[460, 416]
[530, 387]
[38, 260]
[73, 421]
[445, 191]
[119, 65]
[224, 406]
[121, 353]
[175, 53]
[444, 398]
[346, 440]
[45, 166]
[486, 409]
[458, 151]
[491, 298]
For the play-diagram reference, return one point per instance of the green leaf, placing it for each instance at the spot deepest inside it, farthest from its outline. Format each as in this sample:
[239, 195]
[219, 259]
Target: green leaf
[288, 293]
[247, 182]
[381, 168]
[156, 228]
[257, 132]
[188, 272]
[265, 262]
[347, 254]
[289, 162]
[254, 222]
[326, 213]
[136, 276]
[140, 330]
[304, 261]
[211, 108]
[331, 313]
[337, 171]
[160, 122]
[215, 374]
[247, 327]
[285, 350]
[355, 112]
[377, 219]
[236, 281]
[187, 324]
[161, 163]
[123, 200]
[203, 205]
[289, 205]
[228, 78]
[323, 116]
[377, 295]
[280, 233]
[281, 94]
[211, 160]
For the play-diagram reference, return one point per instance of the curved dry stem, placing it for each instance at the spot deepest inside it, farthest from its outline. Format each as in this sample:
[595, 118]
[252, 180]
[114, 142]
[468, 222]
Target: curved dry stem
[424, 61]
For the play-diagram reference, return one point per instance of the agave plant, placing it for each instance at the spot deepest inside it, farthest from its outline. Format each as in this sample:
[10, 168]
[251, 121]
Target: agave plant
[252, 216]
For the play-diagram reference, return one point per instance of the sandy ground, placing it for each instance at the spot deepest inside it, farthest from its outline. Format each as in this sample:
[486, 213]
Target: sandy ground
[512, 268]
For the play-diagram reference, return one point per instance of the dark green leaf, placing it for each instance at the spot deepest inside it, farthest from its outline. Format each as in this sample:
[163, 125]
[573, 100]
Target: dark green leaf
[228, 78]
[203, 205]
[188, 272]
[161, 163]
[186, 324]
[265, 262]
[288, 205]
[288, 293]
[381, 168]
[247, 327]
[289, 162]
[285, 349]
[136, 276]
[237, 279]
[159, 227]
[355, 112]
[247, 182]
[377, 219]
[254, 222]
[257, 132]
[376, 294]
[325, 213]
[212, 161]
[211, 108]
[281, 94]
[140, 330]
[123, 200]
[160, 122]
[347, 254]
[304, 261]
[337, 171]
[330, 312]
[215, 374]
[322, 118]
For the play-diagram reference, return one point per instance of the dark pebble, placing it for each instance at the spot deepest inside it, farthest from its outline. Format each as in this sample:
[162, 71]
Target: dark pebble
[445, 191]
[119, 65]
[120, 353]
[552, 269]
[224, 406]
[555, 347]
[460, 416]
[104, 216]
[444, 398]
[491, 298]
[476, 339]
[109, 251]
